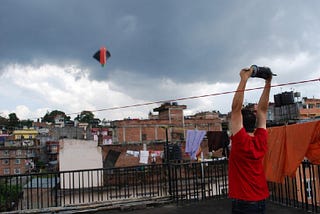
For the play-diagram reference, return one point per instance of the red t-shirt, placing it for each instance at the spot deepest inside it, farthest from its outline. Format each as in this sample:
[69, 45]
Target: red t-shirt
[247, 180]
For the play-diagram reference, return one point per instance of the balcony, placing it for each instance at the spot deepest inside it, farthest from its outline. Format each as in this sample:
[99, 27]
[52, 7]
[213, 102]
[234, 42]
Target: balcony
[31, 155]
[186, 187]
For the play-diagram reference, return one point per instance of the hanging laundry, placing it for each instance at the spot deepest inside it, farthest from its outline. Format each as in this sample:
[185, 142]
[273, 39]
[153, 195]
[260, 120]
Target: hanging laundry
[288, 146]
[313, 153]
[194, 139]
[133, 153]
[218, 140]
[144, 157]
[275, 158]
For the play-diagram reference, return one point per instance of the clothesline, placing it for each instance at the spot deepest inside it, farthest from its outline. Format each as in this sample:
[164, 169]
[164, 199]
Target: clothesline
[197, 97]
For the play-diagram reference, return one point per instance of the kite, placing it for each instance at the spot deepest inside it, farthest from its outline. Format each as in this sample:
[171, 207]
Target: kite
[102, 55]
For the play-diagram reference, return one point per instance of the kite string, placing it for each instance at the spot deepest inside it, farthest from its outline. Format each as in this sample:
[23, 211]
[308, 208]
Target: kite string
[199, 96]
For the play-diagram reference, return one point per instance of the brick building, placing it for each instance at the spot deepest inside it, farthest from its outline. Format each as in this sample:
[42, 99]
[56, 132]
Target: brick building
[168, 127]
[52, 153]
[19, 152]
[310, 108]
[170, 118]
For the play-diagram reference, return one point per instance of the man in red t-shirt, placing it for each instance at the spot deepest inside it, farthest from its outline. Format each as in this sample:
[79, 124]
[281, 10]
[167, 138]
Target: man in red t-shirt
[247, 182]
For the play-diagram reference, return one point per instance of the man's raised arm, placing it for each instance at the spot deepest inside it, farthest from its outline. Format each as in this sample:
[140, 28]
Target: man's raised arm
[237, 102]
[263, 105]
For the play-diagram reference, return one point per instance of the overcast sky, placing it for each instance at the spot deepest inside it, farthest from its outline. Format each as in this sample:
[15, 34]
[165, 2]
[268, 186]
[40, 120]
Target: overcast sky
[160, 50]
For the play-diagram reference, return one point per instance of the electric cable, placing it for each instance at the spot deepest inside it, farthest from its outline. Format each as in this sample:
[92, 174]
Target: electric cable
[197, 97]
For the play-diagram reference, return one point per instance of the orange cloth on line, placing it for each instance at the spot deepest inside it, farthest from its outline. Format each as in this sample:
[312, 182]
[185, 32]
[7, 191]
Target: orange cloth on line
[313, 153]
[298, 139]
[275, 158]
[287, 147]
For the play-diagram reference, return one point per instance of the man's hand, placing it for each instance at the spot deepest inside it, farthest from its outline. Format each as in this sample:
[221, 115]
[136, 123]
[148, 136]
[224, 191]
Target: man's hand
[268, 81]
[245, 73]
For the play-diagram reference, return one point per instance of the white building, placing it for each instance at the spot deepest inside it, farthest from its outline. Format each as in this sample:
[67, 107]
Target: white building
[79, 155]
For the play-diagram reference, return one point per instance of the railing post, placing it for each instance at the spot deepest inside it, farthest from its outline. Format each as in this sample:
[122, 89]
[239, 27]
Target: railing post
[203, 189]
[56, 189]
[167, 162]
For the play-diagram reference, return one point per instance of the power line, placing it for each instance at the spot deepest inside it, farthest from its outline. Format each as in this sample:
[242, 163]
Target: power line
[197, 97]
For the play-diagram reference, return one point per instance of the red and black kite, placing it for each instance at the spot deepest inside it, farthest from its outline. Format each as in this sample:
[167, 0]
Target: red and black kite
[102, 55]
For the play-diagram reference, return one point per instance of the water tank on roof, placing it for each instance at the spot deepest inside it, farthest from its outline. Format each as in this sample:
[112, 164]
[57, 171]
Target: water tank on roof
[287, 98]
[297, 94]
[277, 100]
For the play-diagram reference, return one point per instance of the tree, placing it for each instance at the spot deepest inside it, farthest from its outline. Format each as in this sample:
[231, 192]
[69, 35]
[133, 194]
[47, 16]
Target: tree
[49, 117]
[13, 121]
[9, 196]
[3, 121]
[27, 123]
[85, 117]
[95, 122]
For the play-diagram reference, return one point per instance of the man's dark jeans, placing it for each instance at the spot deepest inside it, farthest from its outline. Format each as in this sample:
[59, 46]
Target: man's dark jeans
[248, 207]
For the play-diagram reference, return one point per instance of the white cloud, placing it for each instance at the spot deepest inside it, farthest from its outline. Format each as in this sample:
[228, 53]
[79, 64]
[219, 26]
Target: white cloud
[31, 91]
[22, 111]
[37, 90]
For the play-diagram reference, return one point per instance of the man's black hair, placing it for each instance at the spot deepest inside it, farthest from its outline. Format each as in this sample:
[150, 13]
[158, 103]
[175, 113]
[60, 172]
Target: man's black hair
[248, 120]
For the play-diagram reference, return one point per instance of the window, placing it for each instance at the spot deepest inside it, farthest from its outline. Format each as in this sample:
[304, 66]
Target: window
[318, 105]
[54, 149]
[6, 153]
[30, 136]
[18, 152]
[17, 171]
[18, 161]
[5, 161]
[6, 171]
[311, 105]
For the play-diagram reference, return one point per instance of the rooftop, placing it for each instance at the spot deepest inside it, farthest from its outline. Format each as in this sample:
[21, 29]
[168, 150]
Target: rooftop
[222, 206]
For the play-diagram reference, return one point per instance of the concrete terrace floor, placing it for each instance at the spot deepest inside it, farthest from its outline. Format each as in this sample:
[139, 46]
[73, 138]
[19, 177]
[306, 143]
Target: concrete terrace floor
[222, 206]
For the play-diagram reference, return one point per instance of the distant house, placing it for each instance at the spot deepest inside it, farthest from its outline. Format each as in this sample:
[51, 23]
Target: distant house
[170, 126]
[25, 134]
[170, 116]
[310, 108]
[52, 152]
[102, 135]
[19, 152]
[59, 121]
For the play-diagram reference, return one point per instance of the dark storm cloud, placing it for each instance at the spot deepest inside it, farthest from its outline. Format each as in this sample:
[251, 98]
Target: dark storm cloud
[182, 40]
[159, 50]
[49, 30]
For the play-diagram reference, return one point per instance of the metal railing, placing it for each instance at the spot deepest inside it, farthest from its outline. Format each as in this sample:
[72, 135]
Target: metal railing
[180, 182]
[198, 181]
[43, 190]
[300, 191]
